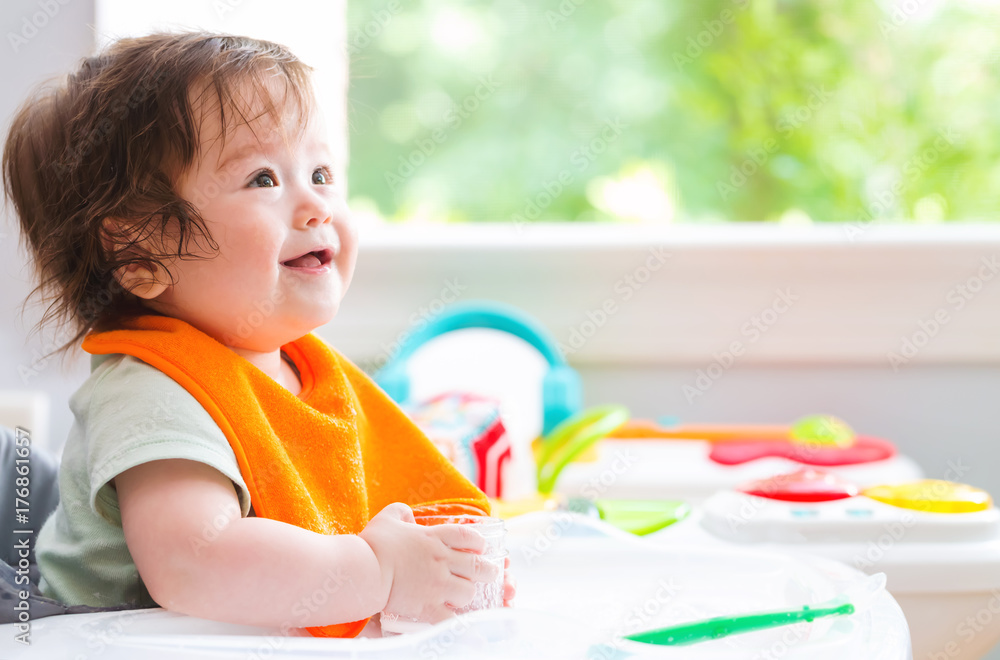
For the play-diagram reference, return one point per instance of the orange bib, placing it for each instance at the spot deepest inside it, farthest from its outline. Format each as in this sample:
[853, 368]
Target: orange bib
[326, 460]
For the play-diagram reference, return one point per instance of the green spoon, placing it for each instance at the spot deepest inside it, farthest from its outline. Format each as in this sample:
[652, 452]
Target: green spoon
[857, 598]
[723, 626]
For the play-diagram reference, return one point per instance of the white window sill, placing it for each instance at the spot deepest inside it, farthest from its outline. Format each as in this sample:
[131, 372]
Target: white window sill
[857, 296]
[740, 235]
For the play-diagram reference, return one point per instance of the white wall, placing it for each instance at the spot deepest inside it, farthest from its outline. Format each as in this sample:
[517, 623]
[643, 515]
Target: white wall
[53, 49]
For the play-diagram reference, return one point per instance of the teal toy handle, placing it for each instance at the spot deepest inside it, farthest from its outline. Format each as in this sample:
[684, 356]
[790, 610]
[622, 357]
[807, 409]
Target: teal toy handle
[562, 390]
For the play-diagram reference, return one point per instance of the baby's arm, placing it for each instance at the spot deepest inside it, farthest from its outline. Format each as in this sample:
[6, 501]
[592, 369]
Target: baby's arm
[198, 557]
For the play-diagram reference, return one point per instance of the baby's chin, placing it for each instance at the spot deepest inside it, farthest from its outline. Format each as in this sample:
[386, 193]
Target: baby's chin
[266, 333]
[315, 318]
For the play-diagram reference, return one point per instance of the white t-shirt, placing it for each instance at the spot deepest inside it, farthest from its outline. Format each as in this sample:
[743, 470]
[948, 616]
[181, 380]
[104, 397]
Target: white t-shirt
[127, 413]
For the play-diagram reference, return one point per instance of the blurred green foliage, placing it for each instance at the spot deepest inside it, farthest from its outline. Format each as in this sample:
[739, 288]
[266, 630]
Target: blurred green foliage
[653, 111]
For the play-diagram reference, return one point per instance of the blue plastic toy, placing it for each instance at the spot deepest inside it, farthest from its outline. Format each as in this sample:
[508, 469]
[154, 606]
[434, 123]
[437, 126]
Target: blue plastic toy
[562, 392]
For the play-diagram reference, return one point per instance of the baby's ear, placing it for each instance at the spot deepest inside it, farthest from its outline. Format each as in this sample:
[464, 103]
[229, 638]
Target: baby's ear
[133, 278]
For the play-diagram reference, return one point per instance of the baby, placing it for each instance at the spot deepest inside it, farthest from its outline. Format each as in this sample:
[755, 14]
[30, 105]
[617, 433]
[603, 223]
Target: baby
[177, 196]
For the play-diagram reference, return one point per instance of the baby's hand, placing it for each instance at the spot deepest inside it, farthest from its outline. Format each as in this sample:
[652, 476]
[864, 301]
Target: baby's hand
[430, 570]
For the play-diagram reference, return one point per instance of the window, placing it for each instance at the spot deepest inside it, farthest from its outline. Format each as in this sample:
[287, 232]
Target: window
[674, 112]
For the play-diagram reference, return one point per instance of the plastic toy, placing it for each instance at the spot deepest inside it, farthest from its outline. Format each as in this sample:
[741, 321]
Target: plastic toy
[813, 440]
[639, 517]
[719, 457]
[810, 430]
[822, 430]
[927, 495]
[691, 462]
[561, 389]
[567, 442]
[863, 449]
[571, 438]
[467, 429]
[932, 496]
[806, 485]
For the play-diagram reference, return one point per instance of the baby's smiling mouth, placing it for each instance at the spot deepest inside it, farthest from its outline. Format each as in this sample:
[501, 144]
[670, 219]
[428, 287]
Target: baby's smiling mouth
[313, 259]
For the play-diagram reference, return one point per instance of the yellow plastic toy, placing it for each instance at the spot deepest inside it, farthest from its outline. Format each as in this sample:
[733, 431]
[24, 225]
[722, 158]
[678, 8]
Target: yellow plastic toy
[932, 496]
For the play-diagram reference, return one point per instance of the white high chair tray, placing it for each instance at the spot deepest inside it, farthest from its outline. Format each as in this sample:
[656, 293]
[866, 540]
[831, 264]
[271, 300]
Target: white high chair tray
[581, 584]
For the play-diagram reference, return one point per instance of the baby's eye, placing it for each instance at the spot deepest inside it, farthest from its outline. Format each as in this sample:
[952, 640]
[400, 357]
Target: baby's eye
[264, 179]
[322, 176]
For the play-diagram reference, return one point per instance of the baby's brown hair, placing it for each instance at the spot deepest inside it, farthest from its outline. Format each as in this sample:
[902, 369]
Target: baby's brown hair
[109, 141]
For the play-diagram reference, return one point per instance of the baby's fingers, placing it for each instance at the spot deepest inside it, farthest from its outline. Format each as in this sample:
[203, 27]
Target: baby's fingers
[460, 537]
[460, 593]
[509, 589]
[474, 567]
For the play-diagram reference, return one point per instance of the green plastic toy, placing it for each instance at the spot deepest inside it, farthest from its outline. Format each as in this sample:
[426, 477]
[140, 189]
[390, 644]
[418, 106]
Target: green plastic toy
[574, 436]
[639, 517]
[822, 430]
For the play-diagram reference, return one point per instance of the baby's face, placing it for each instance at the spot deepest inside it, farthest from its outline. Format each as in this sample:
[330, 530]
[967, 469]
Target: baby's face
[265, 203]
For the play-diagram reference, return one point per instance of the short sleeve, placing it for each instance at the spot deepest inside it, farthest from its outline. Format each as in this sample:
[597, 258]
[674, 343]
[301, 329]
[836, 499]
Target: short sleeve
[138, 414]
